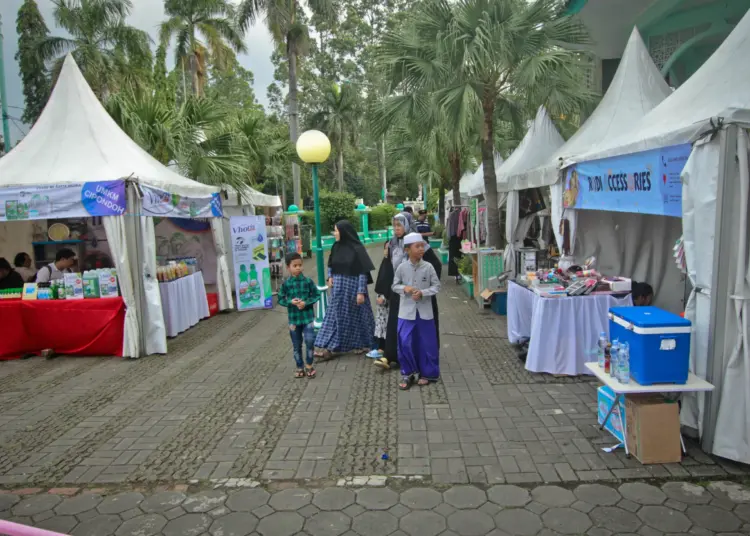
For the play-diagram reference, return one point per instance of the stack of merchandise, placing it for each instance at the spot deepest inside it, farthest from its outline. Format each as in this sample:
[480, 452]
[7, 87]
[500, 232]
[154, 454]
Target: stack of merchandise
[575, 281]
[177, 268]
[92, 284]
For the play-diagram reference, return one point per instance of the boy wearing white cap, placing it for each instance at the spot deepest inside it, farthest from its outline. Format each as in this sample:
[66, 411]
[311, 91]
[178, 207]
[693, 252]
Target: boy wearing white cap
[417, 281]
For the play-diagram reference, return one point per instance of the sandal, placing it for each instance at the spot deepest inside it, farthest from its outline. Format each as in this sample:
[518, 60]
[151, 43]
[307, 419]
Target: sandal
[382, 363]
[324, 355]
[405, 384]
[310, 371]
[423, 381]
[299, 373]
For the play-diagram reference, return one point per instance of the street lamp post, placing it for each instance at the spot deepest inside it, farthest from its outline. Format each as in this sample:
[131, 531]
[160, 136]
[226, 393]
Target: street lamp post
[313, 147]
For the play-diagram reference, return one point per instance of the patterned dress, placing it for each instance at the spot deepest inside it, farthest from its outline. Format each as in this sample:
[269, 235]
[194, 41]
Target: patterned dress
[381, 320]
[347, 326]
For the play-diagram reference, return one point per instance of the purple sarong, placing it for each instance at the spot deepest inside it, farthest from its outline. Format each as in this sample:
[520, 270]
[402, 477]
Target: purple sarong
[418, 351]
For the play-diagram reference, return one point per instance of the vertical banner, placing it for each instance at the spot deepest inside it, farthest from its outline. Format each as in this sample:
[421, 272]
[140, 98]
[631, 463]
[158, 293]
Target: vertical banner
[252, 276]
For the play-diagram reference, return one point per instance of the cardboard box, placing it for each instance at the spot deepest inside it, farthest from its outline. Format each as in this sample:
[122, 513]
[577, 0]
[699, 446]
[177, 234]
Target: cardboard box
[653, 429]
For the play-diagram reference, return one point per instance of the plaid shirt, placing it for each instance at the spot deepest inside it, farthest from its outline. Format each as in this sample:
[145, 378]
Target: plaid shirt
[303, 288]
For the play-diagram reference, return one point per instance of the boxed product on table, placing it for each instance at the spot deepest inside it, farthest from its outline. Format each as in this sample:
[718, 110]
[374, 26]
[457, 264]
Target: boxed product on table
[605, 398]
[653, 429]
[617, 284]
[73, 286]
[659, 343]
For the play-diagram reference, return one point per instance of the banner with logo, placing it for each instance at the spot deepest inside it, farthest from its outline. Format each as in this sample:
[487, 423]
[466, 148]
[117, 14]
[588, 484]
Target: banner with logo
[104, 198]
[252, 275]
[162, 204]
[647, 182]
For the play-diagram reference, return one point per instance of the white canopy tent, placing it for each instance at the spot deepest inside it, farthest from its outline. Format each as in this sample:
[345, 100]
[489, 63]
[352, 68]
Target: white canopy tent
[475, 184]
[712, 109]
[541, 140]
[463, 188]
[249, 197]
[75, 140]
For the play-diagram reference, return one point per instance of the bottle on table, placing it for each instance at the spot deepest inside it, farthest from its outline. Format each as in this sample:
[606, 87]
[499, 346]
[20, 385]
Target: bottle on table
[601, 351]
[614, 356]
[624, 363]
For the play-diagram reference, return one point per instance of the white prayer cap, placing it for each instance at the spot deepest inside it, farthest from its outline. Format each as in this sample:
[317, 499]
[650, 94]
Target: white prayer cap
[413, 238]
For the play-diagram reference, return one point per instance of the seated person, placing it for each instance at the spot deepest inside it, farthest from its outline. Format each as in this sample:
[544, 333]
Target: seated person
[23, 265]
[642, 293]
[9, 278]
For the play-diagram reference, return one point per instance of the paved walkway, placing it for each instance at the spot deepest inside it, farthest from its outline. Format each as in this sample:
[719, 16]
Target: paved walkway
[223, 410]
[593, 509]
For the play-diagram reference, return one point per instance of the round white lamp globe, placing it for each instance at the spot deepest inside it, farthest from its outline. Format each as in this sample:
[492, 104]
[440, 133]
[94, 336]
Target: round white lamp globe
[313, 147]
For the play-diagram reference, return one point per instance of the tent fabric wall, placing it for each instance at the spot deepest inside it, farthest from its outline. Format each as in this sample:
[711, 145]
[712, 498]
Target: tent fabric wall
[114, 226]
[511, 222]
[732, 433]
[154, 328]
[637, 246]
[223, 277]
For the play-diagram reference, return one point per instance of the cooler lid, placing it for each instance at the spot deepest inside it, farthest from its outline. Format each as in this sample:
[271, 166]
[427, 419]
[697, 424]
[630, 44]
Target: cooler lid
[649, 317]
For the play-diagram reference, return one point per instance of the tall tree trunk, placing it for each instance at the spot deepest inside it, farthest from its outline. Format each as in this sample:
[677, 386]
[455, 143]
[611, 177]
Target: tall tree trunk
[455, 162]
[494, 235]
[340, 167]
[293, 114]
[441, 201]
[381, 169]
[194, 66]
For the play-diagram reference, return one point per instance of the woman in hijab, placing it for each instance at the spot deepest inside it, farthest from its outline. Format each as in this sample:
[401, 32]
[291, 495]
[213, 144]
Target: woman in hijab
[348, 324]
[402, 225]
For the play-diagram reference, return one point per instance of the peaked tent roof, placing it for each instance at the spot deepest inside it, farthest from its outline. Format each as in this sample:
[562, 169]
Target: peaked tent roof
[463, 185]
[718, 89]
[636, 89]
[249, 196]
[475, 184]
[75, 140]
[540, 142]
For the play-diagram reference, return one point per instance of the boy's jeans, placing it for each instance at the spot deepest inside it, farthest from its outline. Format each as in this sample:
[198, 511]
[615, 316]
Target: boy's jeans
[306, 332]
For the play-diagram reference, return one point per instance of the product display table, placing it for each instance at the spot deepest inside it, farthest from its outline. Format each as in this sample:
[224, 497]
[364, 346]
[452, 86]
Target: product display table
[184, 303]
[562, 331]
[694, 384]
[74, 327]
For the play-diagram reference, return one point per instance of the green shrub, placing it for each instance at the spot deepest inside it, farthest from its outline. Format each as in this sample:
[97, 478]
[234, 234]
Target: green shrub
[381, 216]
[465, 266]
[438, 231]
[335, 206]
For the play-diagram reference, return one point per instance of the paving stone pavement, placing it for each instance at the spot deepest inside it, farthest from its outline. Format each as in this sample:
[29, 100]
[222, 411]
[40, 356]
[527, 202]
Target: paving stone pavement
[403, 508]
[223, 406]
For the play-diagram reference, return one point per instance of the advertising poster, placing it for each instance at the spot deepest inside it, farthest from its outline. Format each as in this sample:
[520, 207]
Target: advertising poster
[162, 204]
[252, 276]
[105, 198]
[647, 182]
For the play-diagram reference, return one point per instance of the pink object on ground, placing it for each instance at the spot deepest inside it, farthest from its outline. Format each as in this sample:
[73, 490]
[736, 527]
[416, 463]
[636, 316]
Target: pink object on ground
[15, 529]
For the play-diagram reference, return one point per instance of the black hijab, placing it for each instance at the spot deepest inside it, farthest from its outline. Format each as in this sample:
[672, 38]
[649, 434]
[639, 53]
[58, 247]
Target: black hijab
[386, 273]
[348, 255]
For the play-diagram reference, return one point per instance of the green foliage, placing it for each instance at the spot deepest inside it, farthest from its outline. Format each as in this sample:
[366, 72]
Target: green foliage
[438, 229]
[111, 54]
[433, 198]
[381, 216]
[34, 76]
[465, 266]
[335, 206]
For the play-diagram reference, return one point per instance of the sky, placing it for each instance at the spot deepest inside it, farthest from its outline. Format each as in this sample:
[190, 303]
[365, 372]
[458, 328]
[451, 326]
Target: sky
[146, 15]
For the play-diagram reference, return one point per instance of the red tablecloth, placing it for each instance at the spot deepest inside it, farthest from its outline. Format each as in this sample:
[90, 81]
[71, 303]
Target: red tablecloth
[76, 327]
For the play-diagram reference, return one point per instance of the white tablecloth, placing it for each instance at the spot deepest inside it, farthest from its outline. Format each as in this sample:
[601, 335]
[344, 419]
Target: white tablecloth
[184, 303]
[564, 331]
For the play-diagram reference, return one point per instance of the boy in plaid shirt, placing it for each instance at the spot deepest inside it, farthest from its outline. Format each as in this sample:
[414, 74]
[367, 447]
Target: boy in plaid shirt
[298, 294]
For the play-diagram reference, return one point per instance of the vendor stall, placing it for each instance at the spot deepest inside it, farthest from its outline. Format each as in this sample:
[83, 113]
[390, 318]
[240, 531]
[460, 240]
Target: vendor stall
[711, 111]
[41, 179]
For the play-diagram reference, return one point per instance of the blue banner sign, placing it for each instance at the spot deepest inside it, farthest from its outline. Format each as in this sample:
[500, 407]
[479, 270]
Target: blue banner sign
[163, 204]
[102, 198]
[647, 182]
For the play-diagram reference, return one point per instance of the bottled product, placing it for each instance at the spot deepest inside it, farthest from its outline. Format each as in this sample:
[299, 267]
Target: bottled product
[244, 285]
[603, 342]
[254, 285]
[91, 284]
[267, 290]
[614, 357]
[624, 363]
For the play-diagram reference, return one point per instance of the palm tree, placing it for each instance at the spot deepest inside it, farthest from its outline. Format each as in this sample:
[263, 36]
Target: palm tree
[213, 21]
[484, 58]
[338, 118]
[283, 18]
[110, 53]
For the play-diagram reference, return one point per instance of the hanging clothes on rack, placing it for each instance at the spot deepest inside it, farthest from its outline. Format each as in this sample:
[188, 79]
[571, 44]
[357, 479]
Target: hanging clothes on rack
[456, 231]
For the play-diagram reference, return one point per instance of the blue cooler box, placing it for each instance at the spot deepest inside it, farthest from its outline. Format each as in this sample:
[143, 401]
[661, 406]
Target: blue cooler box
[659, 343]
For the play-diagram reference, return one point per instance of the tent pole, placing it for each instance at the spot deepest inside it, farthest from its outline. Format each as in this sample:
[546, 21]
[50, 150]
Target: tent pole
[720, 288]
[136, 261]
[4, 94]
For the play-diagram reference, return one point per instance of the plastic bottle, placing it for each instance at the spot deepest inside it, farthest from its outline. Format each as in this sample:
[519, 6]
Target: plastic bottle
[267, 290]
[624, 363]
[601, 350]
[254, 285]
[614, 357]
[244, 285]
